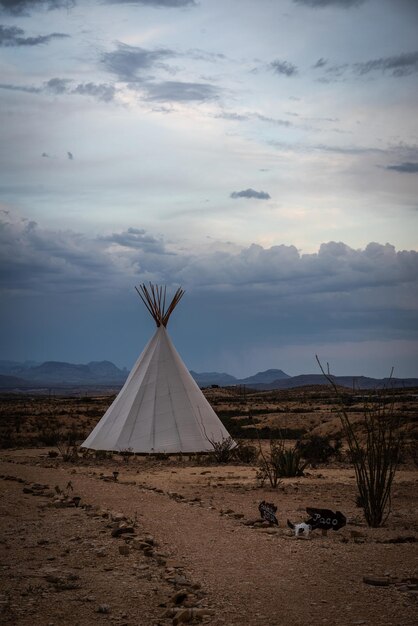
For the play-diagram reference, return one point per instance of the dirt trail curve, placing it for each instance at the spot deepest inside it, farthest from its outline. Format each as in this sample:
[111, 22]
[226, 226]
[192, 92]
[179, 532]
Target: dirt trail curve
[249, 576]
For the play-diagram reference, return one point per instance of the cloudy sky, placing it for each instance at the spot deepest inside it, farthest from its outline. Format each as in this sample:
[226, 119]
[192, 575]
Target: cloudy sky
[263, 154]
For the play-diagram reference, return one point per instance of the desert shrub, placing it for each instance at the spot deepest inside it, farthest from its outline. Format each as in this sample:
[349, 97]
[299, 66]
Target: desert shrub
[376, 458]
[319, 448]
[290, 462]
[246, 427]
[102, 455]
[49, 436]
[75, 435]
[126, 454]
[161, 456]
[68, 451]
[223, 451]
[8, 439]
[279, 462]
[246, 452]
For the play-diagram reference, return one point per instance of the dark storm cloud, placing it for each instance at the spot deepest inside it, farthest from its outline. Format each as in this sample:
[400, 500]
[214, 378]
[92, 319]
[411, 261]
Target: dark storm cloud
[155, 3]
[127, 61]
[13, 36]
[176, 91]
[406, 168]
[318, 4]
[44, 260]
[34, 259]
[398, 65]
[334, 268]
[250, 193]
[283, 67]
[101, 91]
[23, 7]
[337, 293]
[136, 238]
[38, 257]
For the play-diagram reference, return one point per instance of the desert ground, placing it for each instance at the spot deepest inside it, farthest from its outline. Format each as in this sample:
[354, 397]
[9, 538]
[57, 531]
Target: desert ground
[134, 540]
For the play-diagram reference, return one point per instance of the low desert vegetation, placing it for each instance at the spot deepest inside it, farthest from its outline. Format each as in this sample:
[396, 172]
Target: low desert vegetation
[375, 449]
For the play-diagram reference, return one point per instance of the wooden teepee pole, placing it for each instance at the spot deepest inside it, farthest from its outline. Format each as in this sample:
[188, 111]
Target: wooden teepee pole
[154, 298]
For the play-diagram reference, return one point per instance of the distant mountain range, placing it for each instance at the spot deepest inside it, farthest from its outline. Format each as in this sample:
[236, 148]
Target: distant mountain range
[30, 375]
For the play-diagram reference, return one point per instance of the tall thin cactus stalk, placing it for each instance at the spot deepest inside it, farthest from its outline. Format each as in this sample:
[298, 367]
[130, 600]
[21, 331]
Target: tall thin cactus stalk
[376, 460]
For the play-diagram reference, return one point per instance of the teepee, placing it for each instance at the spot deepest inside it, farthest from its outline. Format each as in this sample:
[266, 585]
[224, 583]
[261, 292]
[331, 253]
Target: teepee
[160, 408]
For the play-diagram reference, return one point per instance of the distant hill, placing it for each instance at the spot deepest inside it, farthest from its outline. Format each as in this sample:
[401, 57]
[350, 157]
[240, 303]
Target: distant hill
[205, 379]
[59, 372]
[15, 375]
[352, 382]
[11, 382]
[269, 376]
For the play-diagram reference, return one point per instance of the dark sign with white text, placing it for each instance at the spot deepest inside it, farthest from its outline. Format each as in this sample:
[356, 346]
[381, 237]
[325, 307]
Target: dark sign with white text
[267, 512]
[325, 519]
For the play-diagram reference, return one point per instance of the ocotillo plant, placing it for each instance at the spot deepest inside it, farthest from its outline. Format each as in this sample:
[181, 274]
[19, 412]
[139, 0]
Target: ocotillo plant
[375, 459]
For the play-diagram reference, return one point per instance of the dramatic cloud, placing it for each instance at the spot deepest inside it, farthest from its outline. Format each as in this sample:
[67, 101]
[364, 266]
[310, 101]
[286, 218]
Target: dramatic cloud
[398, 65]
[101, 91]
[175, 91]
[334, 295]
[406, 168]
[317, 4]
[22, 7]
[127, 61]
[250, 193]
[40, 257]
[46, 258]
[13, 36]
[155, 3]
[136, 238]
[57, 85]
[283, 67]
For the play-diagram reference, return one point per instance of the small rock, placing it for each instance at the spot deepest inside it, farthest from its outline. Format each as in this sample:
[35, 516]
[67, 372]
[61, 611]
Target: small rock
[122, 530]
[101, 552]
[103, 608]
[179, 597]
[376, 581]
[124, 550]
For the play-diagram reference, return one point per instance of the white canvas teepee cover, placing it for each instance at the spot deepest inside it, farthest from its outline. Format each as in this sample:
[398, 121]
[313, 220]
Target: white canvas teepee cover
[159, 409]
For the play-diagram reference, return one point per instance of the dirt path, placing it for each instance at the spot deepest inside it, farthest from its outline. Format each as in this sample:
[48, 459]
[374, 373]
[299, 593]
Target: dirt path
[248, 576]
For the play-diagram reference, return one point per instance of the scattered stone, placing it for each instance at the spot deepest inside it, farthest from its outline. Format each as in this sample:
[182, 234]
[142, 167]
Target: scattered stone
[62, 581]
[150, 540]
[103, 608]
[376, 581]
[101, 552]
[124, 550]
[121, 530]
[179, 597]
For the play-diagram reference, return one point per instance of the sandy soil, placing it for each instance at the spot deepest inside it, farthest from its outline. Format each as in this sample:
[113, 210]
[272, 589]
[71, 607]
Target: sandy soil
[192, 547]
